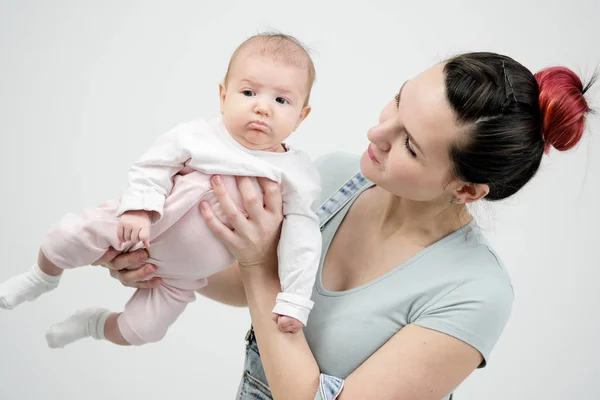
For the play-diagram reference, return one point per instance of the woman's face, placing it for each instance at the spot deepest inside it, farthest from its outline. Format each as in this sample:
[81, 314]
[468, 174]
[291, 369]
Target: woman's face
[408, 155]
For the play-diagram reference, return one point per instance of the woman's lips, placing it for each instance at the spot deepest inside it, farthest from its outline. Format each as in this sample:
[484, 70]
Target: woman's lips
[372, 155]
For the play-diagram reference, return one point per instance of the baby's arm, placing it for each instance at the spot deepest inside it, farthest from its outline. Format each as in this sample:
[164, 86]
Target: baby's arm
[149, 182]
[299, 255]
[299, 249]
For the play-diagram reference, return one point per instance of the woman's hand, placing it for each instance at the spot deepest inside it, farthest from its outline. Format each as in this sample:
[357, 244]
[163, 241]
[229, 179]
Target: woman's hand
[117, 264]
[253, 239]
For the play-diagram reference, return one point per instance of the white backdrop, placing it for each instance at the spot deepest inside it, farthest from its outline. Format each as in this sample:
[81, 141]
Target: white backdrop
[86, 86]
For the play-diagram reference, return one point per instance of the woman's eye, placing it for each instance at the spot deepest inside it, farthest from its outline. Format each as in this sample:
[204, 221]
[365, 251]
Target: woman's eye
[409, 147]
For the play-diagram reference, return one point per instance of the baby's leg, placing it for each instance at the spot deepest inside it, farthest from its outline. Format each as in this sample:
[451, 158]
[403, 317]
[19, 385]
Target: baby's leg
[84, 323]
[47, 266]
[76, 240]
[28, 286]
[97, 323]
[146, 318]
[112, 332]
[150, 312]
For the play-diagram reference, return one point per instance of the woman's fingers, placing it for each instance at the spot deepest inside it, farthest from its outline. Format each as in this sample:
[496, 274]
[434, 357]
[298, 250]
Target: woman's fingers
[137, 277]
[237, 220]
[124, 260]
[216, 226]
[253, 203]
[252, 239]
[272, 195]
[107, 257]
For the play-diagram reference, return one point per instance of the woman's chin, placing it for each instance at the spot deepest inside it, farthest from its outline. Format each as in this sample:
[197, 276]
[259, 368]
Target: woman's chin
[366, 166]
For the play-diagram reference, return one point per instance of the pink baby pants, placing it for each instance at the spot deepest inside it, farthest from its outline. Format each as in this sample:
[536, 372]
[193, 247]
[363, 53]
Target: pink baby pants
[182, 247]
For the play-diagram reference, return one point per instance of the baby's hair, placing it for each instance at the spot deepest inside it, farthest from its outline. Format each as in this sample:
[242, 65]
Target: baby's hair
[282, 48]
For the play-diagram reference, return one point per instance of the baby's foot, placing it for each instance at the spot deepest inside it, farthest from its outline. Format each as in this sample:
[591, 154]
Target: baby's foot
[287, 324]
[26, 287]
[83, 324]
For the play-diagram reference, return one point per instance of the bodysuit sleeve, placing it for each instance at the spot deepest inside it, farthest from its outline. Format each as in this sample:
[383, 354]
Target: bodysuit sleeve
[150, 177]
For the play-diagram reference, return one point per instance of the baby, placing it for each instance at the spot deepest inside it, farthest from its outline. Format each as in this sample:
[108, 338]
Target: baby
[264, 97]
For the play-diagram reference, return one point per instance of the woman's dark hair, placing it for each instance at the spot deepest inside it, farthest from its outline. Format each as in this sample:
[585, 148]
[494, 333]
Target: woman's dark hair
[512, 118]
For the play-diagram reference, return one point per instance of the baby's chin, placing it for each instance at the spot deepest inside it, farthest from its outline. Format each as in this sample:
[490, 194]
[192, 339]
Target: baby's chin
[259, 141]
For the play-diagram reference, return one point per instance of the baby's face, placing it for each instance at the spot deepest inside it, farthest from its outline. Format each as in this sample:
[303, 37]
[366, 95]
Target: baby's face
[263, 102]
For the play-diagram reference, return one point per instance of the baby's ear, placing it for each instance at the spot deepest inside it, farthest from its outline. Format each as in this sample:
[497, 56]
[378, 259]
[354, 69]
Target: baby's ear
[303, 114]
[222, 93]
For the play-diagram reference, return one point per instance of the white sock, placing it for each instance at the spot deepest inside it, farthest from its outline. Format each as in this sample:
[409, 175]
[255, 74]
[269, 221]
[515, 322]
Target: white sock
[83, 324]
[26, 287]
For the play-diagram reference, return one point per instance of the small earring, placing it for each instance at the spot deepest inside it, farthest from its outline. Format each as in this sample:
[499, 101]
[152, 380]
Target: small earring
[452, 201]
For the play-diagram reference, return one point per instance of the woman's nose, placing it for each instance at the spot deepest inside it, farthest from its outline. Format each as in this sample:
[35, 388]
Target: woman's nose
[379, 135]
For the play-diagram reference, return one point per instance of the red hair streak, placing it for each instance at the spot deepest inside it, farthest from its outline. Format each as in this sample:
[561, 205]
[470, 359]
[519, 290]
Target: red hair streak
[563, 107]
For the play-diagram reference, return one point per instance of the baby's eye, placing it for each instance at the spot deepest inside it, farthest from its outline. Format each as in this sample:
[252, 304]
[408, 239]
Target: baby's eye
[248, 93]
[281, 100]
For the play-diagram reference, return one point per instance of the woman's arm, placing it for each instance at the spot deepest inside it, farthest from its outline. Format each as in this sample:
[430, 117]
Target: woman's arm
[291, 369]
[226, 287]
[289, 364]
[416, 364]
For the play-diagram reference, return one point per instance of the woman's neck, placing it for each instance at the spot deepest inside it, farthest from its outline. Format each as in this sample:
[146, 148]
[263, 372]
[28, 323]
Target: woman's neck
[425, 222]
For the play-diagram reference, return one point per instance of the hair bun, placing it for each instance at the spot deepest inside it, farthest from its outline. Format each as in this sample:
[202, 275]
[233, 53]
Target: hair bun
[563, 107]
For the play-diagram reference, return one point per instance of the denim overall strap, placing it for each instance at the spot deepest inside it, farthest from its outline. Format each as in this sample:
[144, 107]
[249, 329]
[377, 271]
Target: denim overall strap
[340, 198]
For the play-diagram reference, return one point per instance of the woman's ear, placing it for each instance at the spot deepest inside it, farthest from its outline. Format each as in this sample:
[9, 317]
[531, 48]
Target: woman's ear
[471, 192]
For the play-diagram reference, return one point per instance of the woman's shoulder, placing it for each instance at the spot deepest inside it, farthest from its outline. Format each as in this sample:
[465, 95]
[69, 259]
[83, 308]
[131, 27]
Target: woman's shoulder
[480, 257]
[469, 292]
[467, 255]
[335, 169]
[466, 263]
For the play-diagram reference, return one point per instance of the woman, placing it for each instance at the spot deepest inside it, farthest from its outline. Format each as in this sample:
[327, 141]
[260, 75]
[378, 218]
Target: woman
[410, 298]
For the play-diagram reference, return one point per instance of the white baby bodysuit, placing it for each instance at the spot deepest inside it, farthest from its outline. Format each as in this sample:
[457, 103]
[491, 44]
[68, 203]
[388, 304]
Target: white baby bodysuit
[206, 146]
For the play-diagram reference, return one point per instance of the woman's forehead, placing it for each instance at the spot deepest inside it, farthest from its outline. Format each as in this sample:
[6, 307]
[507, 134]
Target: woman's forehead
[425, 109]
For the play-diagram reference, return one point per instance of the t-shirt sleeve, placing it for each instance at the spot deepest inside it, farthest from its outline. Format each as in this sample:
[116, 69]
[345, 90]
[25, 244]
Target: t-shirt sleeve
[475, 312]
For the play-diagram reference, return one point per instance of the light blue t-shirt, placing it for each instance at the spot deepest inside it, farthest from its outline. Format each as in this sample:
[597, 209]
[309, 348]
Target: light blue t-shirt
[457, 286]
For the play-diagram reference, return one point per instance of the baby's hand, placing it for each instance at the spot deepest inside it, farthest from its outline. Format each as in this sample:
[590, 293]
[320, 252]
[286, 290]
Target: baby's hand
[134, 226]
[287, 324]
